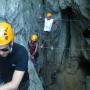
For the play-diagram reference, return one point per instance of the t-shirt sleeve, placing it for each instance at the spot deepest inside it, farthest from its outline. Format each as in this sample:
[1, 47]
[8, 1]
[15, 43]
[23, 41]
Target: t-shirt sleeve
[22, 61]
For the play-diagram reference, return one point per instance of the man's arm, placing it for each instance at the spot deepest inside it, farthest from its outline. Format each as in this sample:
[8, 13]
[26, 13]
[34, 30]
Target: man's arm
[14, 83]
[54, 25]
[36, 49]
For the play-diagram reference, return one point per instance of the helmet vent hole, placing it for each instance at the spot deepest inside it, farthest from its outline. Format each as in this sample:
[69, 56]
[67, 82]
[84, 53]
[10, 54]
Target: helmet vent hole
[6, 30]
[6, 37]
[5, 33]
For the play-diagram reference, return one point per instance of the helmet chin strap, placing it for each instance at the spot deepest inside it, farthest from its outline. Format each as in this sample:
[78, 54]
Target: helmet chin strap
[11, 46]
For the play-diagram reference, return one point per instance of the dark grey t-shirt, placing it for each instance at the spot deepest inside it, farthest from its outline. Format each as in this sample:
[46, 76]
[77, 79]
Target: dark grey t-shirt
[17, 60]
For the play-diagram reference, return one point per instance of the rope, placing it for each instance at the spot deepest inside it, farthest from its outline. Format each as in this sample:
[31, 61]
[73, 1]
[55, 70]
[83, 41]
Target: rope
[43, 47]
[66, 19]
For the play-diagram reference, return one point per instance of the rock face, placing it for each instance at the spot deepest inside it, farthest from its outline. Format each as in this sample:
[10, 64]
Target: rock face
[70, 46]
[22, 14]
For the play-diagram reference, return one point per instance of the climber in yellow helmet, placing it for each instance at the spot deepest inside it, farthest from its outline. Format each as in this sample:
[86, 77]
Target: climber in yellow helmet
[13, 61]
[33, 49]
[49, 24]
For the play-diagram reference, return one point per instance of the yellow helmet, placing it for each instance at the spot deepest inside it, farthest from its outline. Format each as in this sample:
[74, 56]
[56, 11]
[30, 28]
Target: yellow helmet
[34, 38]
[49, 14]
[6, 33]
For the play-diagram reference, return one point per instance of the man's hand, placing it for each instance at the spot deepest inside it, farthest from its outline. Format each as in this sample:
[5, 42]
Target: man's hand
[32, 57]
[1, 83]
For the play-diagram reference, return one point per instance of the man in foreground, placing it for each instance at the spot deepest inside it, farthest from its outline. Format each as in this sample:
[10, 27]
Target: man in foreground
[13, 61]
